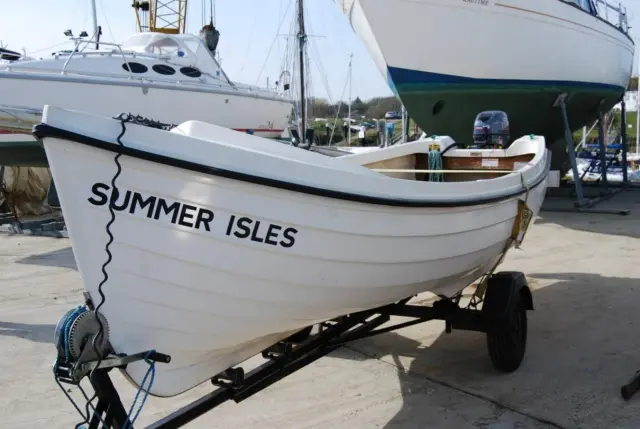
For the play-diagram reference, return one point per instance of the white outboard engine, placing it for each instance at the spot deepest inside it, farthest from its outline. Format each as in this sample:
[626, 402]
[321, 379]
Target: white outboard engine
[211, 37]
[491, 128]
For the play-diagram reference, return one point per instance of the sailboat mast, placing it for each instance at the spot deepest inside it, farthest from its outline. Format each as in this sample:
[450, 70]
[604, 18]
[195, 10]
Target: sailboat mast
[349, 119]
[96, 29]
[302, 39]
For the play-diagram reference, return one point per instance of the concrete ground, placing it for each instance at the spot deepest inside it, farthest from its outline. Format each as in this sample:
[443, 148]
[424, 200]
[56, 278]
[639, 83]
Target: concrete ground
[583, 345]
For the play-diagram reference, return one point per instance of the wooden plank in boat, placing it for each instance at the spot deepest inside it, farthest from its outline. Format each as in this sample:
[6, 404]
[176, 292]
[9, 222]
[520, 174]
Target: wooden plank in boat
[391, 170]
[470, 163]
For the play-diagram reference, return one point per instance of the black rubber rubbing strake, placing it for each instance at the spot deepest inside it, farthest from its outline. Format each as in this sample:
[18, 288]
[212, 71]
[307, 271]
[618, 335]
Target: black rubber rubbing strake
[43, 130]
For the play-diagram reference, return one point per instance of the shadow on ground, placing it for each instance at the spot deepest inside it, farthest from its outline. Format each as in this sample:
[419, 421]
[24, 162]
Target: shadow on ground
[611, 224]
[583, 345]
[32, 332]
[58, 258]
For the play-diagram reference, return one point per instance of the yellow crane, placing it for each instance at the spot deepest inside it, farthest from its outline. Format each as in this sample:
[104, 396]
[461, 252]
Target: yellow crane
[161, 16]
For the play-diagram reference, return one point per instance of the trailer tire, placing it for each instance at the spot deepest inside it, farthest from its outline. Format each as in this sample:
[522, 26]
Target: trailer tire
[507, 341]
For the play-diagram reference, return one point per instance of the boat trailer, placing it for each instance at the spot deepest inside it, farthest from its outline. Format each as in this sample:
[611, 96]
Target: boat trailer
[504, 298]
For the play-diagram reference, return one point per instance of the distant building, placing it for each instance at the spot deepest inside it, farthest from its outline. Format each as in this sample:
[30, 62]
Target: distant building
[630, 101]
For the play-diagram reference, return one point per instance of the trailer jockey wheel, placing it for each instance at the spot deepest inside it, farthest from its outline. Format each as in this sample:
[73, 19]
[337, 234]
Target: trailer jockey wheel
[505, 308]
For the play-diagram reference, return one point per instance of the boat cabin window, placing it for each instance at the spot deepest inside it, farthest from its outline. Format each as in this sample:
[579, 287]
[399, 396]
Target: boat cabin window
[190, 71]
[135, 67]
[582, 4]
[163, 69]
[586, 5]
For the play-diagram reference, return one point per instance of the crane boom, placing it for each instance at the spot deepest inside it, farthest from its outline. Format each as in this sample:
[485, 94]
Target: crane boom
[161, 16]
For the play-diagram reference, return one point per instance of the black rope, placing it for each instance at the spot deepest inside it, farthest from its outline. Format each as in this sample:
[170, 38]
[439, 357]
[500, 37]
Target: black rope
[123, 118]
[141, 120]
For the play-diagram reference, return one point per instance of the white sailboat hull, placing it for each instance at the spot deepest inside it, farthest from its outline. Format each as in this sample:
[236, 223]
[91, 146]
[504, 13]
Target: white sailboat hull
[24, 98]
[510, 40]
[196, 285]
[449, 60]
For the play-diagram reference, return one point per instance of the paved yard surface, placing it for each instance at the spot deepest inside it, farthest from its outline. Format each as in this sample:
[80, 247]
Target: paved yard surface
[583, 344]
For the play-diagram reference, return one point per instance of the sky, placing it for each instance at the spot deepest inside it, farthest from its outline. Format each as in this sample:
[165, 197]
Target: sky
[253, 36]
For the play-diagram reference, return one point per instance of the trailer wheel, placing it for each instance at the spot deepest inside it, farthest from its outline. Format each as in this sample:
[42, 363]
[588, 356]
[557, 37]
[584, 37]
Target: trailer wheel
[506, 303]
[507, 344]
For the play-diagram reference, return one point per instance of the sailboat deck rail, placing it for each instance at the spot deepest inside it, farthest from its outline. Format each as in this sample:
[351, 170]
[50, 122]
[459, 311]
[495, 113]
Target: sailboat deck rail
[604, 7]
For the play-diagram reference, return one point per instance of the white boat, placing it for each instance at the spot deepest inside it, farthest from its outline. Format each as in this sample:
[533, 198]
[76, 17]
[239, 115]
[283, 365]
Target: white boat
[591, 173]
[170, 77]
[448, 60]
[225, 243]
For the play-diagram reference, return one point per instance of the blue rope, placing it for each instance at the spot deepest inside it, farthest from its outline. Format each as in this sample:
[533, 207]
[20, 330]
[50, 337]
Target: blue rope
[435, 163]
[66, 330]
[152, 371]
[63, 343]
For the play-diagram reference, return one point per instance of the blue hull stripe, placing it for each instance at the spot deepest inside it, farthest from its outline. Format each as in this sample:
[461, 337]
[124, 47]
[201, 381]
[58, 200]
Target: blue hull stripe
[399, 77]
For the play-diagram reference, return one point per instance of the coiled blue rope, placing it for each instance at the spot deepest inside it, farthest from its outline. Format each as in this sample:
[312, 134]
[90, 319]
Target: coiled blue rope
[63, 341]
[435, 163]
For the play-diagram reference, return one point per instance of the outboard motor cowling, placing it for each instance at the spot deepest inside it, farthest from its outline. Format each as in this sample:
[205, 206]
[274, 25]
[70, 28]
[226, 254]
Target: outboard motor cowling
[491, 128]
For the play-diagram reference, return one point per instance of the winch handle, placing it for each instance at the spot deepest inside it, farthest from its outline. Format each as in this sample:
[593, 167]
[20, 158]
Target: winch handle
[159, 357]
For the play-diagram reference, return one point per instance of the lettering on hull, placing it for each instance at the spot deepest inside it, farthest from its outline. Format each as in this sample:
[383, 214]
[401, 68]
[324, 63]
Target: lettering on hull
[187, 215]
[478, 2]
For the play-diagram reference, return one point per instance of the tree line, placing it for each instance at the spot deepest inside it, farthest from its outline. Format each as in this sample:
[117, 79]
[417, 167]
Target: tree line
[374, 108]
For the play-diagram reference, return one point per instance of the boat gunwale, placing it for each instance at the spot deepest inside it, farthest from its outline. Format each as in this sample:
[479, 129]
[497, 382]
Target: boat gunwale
[43, 130]
[96, 79]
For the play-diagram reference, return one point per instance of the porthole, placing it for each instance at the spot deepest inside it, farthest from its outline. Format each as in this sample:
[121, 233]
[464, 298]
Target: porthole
[135, 67]
[163, 69]
[437, 108]
[190, 71]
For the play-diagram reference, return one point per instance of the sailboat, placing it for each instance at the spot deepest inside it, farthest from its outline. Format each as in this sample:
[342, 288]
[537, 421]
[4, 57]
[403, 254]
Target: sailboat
[449, 60]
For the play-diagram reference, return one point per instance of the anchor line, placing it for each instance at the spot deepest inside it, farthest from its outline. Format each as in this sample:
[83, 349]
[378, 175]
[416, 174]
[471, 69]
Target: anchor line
[124, 118]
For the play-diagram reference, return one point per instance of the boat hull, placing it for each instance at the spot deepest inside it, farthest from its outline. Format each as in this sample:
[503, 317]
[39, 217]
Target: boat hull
[25, 95]
[212, 300]
[460, 58]
[224, 243]
[528, 110]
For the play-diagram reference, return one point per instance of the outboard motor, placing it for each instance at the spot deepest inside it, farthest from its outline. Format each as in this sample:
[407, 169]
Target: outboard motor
[491, 128]
[211, 37]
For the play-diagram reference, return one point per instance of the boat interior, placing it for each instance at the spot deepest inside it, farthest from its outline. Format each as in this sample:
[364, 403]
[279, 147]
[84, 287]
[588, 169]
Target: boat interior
[441, 160]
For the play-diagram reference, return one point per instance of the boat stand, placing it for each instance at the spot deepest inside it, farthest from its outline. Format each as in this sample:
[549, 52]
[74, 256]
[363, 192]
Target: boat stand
[505, 298]
[583, 204]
